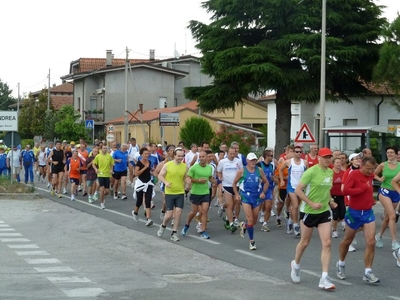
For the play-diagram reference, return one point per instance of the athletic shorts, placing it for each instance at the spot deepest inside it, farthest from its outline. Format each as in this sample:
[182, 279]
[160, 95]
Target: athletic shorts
[269, 194]
[83, 172]
[117, 175]
[104, 181]
[74, 180]
[282, 195]
[313, 220]
[356, 219]
[290, 189]
[89, 183]
[199, 199]
[42, 166]
[174, 201]
[228, 189]
[338, 212]
[57, 169]
[393, 195]
[132, 163]
[253, 200]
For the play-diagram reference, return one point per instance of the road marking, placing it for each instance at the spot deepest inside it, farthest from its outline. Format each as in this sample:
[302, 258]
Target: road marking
[1, 222]
[70, 279]
[9, 240]
[393, 297]
[7, 229]
[319, 275]
[10, 234]
[204, 240]
[32, 253]
[38, 261]
[84, 292]
[253, 255]
[24, 246]
[4, 225]
[54, 269]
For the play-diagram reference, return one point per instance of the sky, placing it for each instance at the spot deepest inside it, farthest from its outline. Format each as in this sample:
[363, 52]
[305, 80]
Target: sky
[47, 34]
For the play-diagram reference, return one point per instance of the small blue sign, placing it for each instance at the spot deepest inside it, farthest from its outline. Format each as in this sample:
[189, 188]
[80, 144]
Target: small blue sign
[89, 124]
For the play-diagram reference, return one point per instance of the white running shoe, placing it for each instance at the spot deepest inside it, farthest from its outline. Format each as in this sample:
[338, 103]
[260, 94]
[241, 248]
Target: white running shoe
[352, 248]
[135, 217]
[334, 234]
[326, 283]
[149, 222]
[396, 255]
[64, 191]
[295, 273]
[103, 205]
[198, 227]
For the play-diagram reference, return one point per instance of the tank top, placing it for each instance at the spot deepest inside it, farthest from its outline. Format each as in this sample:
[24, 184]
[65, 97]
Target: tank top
[175, 175]
[58, 155]
[295, 172]
[249, 183]
[269, 173]
[389, 174]
[42, 158]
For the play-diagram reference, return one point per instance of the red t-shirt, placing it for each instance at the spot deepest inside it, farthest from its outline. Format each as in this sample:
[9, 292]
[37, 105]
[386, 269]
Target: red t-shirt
[360, 189]
[336, 189]
[311, 161]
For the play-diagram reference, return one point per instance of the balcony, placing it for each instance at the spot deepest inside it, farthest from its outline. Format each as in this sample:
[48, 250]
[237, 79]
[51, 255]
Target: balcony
[96, 115]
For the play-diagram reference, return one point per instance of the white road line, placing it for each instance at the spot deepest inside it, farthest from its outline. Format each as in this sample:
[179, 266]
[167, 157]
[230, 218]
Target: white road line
[10, 234]
[394, 297]
[203, 240]
[4, 225]
[39, 261]
[84, 292]
[9, 240]
[7, 229]
[1, 222]
[70, 279]
[23, 246]
[253, 255]
[32, 253]
[54, 269]
[319, 275]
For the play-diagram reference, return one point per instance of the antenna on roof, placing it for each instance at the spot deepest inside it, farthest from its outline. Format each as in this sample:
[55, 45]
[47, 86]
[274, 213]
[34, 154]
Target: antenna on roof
[176, 53]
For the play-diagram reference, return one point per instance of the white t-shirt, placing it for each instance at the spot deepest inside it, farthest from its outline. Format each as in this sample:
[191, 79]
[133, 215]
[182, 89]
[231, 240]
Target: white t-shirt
[15, 161]
[189, 157]
[133, 152]
[229, 169]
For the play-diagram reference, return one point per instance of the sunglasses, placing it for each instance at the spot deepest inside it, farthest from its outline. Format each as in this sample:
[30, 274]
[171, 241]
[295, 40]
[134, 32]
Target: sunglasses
[297, 151]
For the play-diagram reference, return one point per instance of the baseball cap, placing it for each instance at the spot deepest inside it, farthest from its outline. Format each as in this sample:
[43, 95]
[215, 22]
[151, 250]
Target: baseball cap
[325, 152]
[353, 155]
[64, 141]
[298, 145]
[78, 146]
[159, 145]
[269, 149]
[251, 156]
[72, 143]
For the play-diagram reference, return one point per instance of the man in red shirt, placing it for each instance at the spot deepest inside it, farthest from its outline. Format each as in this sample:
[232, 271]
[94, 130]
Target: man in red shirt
[359, 186]
[311, 157]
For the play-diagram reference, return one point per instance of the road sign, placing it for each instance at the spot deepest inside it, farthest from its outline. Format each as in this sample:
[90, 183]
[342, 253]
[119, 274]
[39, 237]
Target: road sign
[110, 128]
[89, 124]
[304, 135]
[110, 137]
[8, 120]
[8, 139]
[169, 119]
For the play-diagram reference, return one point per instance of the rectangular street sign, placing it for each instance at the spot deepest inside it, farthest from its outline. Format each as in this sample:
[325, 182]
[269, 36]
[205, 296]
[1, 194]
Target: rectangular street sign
[8, 120]
[89, 124]
[169, 119]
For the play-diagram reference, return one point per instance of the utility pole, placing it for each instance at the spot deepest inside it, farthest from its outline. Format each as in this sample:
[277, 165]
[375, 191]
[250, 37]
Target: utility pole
[48, 93]
[323, 78]
[18, 100]
[126, 96]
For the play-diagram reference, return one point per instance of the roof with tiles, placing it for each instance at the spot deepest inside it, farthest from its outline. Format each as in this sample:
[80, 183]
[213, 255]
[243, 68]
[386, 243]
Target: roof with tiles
[60, 101]
[90, 64]
[150, 115]
[67, 87]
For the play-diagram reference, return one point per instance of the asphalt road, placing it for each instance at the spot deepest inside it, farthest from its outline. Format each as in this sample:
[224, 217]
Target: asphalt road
[111, 239]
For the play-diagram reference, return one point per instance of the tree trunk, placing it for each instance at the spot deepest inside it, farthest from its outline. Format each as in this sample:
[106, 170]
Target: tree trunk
[283, 122]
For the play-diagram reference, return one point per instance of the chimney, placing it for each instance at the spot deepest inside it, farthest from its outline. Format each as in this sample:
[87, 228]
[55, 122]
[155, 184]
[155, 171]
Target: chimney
[141, 108]
[152, 55]
[109, 58]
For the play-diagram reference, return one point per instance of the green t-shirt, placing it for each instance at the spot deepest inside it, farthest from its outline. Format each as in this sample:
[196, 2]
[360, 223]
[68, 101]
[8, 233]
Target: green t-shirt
[318, 184]
[175, 175]
[389, 174]
[197, 172]
[104, 163]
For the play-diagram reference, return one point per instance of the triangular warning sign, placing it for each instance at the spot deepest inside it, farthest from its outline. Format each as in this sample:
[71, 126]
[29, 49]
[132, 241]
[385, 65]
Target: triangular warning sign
[305, 135]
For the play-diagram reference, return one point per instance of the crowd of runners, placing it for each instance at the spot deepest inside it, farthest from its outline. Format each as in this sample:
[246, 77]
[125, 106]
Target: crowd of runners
[320, 189]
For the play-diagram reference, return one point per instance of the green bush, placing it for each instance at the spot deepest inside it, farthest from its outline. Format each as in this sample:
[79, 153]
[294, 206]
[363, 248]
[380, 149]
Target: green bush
[228, 134]
[196, 130]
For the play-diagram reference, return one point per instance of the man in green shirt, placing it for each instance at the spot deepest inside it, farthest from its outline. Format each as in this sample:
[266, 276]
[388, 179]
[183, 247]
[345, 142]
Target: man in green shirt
[314, 191]
[200, 174]
[103, 165]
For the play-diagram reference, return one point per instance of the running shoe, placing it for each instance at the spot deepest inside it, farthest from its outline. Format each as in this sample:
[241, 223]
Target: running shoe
[216, 203]
[233, 228]
[278, 223]
[184, 230]
[352, 248]
[296, 230]
[334, 234]
[52, 192]
[135, 217]
[396, 255]
[205, 236]
[289, 227]
[236, 222]
[379, 242]
[59, 195]
[326, 283]
[115, 196]
[252, 245]
[64, 191]
[220, 211]
[103, 205]
[96, 196]
[84, 194]
[265, 227]
[90, 199]
[79, 189]
[174, 237]
[152, 206]
[162, 215]
[340, 271]
[261, 220]
[226, 223]
[243, 229]
[371, 278]
[295, 273]
[286, 214]
[272, 213]
[123, 197]
[395, 245]
[72, 198]
[198, 227]
[149, 222]
[160, 231]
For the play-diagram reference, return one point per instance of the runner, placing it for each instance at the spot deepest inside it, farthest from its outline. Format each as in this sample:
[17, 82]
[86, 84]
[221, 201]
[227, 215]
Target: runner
[103, 164]
[315, 212]
[83, 155]
[120, 173]
[337, 196]
[311, 158]
[91, 177]
[73, 166]
[58, 160]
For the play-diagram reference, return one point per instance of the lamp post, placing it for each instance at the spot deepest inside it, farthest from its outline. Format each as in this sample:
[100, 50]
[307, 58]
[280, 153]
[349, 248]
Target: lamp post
[323, 77]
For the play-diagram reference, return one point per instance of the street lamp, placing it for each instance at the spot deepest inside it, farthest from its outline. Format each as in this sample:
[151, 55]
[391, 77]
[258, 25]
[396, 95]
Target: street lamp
[323, 77]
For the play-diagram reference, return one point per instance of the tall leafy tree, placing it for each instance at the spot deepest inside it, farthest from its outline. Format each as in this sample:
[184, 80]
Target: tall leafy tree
[386, 72]
[196, 130]
[254, 46]
[68, 125]
[6, 99]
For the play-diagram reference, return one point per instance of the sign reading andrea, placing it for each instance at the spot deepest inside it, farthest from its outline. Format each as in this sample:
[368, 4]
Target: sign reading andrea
[8, 120]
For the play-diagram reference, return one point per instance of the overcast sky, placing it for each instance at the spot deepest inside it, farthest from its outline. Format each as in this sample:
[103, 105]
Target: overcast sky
[47, 34]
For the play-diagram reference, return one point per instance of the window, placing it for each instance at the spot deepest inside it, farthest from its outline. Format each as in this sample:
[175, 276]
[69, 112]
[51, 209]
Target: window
[93, 103]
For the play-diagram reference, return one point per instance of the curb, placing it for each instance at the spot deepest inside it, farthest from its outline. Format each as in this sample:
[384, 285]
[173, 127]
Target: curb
[20, 196]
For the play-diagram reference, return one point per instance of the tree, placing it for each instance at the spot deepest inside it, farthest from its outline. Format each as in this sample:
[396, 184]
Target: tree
[254, 46]
[196, 130]
[68, 125]
[6, 98]
[228, 134]
[386, 72]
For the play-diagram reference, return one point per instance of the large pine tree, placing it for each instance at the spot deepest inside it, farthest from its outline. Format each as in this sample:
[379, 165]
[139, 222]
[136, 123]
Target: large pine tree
[254, 46]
